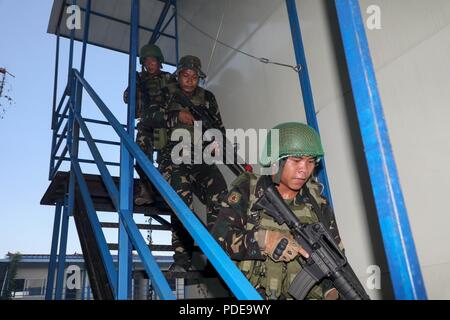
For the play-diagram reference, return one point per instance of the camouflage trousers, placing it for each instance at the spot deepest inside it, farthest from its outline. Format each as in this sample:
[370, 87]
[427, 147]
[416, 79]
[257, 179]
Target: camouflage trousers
[208, 184]
[144, 140]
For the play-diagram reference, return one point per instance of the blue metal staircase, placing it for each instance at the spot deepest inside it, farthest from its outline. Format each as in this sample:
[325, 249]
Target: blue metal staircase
[80, 204]
[81, 196]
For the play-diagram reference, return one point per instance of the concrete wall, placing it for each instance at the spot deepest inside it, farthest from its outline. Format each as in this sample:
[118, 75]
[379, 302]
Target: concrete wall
[412, 62]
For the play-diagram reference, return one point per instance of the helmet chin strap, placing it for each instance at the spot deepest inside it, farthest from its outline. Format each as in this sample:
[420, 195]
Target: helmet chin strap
[277, 177]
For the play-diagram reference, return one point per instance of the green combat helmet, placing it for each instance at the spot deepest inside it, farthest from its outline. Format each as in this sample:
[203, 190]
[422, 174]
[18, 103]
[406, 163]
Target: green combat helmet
[193, 63]
[295, 139]
[150, 50]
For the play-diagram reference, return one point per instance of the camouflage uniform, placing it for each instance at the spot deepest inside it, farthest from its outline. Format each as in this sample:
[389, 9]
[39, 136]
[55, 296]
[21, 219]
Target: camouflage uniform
[205, 181]
[152, 97]
[236, 226]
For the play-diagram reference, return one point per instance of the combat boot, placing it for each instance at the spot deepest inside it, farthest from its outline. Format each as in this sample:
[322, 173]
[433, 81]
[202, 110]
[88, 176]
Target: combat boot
[145, 196]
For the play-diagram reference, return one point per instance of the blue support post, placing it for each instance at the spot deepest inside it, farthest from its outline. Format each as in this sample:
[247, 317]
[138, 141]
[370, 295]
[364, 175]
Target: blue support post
[53, 252]
[88, 292]
[62, 252]
[162, 17]
[305, 84]
[87, 19]
[126, 165]
[55, 80]
[70, 121]
[55, 94]
[398, 240]
[72, 141]
[83, 286]
[71, 50]
[177, 53]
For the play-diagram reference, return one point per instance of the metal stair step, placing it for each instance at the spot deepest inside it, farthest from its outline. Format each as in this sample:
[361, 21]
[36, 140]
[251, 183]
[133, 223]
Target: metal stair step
[153, 247]
[155, 227]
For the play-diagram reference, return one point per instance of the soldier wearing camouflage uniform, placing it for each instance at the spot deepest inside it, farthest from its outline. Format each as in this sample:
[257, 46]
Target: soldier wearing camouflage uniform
[251, 236]
[204, 180]
[152, 97]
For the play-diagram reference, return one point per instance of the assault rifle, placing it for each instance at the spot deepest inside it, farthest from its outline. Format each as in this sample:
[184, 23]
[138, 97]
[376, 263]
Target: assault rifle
[209, 122]
[325, 260]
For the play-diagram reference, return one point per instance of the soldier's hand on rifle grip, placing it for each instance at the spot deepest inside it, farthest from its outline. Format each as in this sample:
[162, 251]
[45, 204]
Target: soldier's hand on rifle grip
[279, 246]
[186, 117]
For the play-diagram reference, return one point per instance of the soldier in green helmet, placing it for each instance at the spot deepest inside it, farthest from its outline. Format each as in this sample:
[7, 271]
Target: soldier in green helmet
[203, 180]
[251, 236]
[152, 97]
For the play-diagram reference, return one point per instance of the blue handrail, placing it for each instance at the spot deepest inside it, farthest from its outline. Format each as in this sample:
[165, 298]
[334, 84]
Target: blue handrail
[238, 284]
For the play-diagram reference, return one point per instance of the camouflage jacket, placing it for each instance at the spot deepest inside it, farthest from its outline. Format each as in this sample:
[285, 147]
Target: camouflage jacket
[236, 226]
[231, 231]
[201, 98]
[152, 97]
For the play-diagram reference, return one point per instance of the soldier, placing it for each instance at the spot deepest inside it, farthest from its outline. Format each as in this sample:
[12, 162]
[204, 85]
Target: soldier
[205, 180]
[251, 236]
[152, 97]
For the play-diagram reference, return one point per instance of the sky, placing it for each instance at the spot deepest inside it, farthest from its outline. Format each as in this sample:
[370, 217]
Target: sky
[28, 52]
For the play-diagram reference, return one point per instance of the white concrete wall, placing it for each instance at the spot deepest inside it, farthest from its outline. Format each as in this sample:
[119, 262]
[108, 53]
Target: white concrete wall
[411, 55]
[412, 62]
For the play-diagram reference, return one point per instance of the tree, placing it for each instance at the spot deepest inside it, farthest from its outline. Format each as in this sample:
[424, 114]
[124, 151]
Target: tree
[5, 98]
[10, 281]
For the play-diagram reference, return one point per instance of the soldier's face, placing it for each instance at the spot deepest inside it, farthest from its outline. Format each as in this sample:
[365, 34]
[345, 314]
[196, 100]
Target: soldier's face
[297, 171]
[152, 65]
[188, 80]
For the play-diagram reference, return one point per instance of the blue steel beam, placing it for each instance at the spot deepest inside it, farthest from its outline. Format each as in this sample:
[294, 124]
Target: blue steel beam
[167, 24]
[100, 141]
[115, 164]
[392, 214]
[93, 121]
[104, 16]
[72, 143]
[305, 85]
[61, 101]
[177, 52]
[220, 260]
[126, 164]
[53, 252]
[71, 124]
[87, 21]
[58, 164]
[55, 80]
[62, 252]
[104, 173]
[83, 286]
[62, 116]
[60, 137]
[149, 262]
[170, 63]
[162, 17]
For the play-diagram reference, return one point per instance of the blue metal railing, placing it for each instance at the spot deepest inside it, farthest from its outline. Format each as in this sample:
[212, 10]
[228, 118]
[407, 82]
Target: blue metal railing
[220, 260]
[122, 198]
[305, 85]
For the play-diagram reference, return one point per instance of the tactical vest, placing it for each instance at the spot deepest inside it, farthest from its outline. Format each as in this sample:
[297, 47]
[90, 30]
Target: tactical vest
[156, 91]
[276, 277]
[198, 99]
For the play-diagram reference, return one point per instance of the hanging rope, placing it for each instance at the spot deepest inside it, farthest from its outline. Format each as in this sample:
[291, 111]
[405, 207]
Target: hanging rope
[296, 68]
